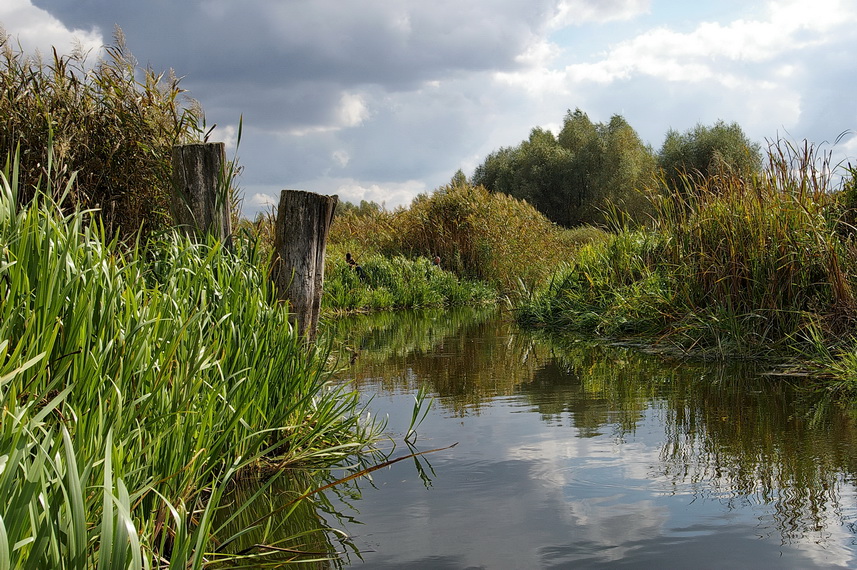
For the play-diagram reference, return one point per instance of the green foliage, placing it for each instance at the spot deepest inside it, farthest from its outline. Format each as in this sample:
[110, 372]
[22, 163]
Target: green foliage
[135, 384]
[493, 238]
[477, 235]
[110, 122]
[610, 287]
[365, 208]
[398, 283]
[708, 151]
[729, 266]
[611, 164]
[585, 175]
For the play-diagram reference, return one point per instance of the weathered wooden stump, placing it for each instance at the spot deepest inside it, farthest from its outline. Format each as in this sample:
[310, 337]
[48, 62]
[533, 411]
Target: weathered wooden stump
[200, 200]
[300, 240]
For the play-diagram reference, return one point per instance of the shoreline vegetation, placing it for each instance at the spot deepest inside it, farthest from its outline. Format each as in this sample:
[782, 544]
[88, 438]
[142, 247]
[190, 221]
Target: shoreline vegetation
[727, 263]
[142, 373]
[729, 267]
[489, 247]
[138, 384]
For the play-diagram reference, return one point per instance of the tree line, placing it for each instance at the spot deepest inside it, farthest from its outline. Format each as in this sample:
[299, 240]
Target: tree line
[590, 171]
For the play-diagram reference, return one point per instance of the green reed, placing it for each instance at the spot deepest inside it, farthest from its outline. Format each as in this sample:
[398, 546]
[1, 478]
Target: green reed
[136, 383]
[107, 119]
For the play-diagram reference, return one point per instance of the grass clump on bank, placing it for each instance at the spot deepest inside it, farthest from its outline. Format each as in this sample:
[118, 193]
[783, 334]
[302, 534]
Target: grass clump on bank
[135, 385]
[731, 266]
[396, 283]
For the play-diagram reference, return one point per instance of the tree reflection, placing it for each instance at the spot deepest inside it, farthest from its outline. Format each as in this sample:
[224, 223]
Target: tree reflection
[731, 433]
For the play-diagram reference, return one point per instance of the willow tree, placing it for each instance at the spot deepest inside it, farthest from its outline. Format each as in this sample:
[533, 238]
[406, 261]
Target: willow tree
[703, 151]
[577, 177]
[610, 165]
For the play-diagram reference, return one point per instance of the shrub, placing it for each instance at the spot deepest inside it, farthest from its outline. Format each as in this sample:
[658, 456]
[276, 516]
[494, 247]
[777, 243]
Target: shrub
[478, 235]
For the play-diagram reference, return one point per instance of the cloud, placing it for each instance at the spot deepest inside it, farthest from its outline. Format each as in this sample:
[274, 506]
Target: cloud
[260, 198]
[260, 201]
[712, 51]
[391, 195]
[352, 110]
[37, 30]
[578, 12]
[784, 69]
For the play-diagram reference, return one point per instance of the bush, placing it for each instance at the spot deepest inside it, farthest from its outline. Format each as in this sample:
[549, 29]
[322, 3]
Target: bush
[477, 235]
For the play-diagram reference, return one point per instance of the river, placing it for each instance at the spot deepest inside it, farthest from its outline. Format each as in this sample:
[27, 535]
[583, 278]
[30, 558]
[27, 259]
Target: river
[573, 454]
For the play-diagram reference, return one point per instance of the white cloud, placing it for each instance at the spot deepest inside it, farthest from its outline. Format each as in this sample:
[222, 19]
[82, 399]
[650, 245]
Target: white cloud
[36, 30]
[578, 12]
[713, 51]
[391, 195]
[229, 136]
[260, 201]
[352, 110]
[341, 158]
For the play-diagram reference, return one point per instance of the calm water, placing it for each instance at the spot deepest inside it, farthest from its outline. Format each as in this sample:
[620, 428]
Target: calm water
[578, 456]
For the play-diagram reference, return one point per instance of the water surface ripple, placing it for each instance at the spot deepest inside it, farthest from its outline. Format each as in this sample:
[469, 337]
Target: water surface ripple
[575, 455]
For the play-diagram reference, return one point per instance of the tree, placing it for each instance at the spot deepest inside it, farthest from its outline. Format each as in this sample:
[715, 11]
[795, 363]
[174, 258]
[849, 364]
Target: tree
[458, 179]
[575, 177]
[703, 151]
[626, 166]
[577, 131]
[540, 174]
[496, 172]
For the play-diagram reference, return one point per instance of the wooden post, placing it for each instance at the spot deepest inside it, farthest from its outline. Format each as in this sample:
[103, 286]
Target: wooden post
[300, 239]
[200, 200]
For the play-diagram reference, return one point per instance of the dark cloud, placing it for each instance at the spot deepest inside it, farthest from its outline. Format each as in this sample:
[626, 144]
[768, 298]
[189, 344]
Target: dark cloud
[351, 43]
[288, 63]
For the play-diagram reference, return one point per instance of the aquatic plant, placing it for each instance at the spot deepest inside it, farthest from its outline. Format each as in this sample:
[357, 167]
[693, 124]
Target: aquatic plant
[136, 383]
[398, 283]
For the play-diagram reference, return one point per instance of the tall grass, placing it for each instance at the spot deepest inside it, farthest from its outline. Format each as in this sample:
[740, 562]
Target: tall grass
[730, 265]
[135, 384]
[104, 118]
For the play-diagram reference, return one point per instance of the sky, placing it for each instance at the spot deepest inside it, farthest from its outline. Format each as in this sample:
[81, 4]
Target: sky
[381, 100]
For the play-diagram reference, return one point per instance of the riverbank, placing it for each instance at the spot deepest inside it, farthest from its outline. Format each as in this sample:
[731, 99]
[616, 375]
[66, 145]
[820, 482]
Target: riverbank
[729, 267]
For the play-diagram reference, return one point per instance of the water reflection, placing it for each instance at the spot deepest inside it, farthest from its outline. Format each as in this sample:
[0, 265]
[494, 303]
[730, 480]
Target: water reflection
[467, 355]
[643, 459]
[268, 528]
